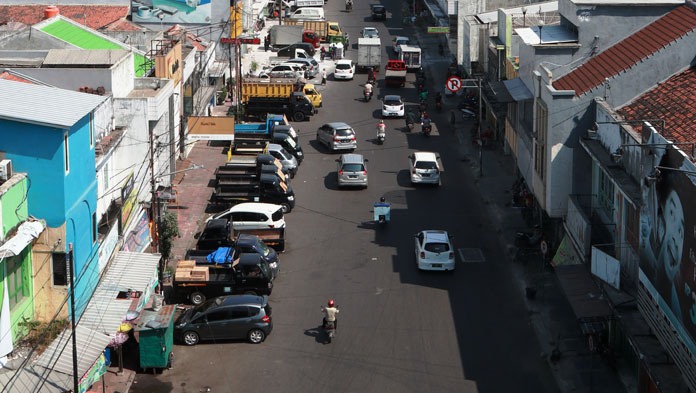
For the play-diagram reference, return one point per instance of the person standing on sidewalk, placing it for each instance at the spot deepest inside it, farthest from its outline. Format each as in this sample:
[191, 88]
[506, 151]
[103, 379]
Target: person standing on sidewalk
[453, 120]
[323, 76]
[266, 42]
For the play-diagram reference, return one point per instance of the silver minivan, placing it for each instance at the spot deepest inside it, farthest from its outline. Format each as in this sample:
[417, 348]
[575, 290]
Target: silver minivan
[352, 170]
[337, 136]
[288, 160]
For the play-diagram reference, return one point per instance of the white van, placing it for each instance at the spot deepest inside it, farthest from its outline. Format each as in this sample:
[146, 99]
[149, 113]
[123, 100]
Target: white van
[307, 13]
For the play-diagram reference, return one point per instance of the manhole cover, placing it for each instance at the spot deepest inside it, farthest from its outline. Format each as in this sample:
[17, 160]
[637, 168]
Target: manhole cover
[471, 255]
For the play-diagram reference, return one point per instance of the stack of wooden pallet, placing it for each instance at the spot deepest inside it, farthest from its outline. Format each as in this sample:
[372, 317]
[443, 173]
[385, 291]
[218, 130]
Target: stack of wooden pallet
[188, 271]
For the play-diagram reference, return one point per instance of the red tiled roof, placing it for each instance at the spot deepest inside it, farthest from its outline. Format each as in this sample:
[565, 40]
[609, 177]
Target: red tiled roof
[674, 101]
[630, 51]
[96, 15]
[122, 24]
[11, 77]
[190, 37]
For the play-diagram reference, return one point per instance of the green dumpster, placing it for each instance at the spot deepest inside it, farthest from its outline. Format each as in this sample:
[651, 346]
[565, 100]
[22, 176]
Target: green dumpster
[155, 331]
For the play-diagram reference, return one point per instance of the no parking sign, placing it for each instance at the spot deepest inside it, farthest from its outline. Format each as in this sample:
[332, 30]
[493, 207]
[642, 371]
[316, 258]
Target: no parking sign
[454, 84]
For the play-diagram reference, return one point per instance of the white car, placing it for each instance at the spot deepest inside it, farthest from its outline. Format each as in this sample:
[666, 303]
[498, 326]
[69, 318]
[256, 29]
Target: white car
[434, 251]
[424, 167]
[344, 69]
[398, 41]
[370, 32]
[392, 106]
[253, 215]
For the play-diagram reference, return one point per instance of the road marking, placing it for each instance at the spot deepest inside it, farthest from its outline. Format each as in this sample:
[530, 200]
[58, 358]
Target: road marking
[471, 255]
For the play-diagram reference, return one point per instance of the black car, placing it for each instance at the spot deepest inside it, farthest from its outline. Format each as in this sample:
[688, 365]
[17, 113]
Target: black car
[226, 317]
[378, 12]
[289, 50]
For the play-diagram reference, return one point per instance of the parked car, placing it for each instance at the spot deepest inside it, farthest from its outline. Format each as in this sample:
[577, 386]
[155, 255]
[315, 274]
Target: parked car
[253, 215]
[434, 251]
[337, 136]
[352, 170]
[369, 32]
[307, 13]
[287, 69]
[378, 12]
[344, 69]
[289, 51]
[287, 159]
[398, 41]
[424, 168]
[226, 317]
[311, 66]
[392, 106]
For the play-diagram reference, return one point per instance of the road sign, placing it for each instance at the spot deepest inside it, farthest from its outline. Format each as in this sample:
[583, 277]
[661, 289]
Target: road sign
[454, 84]
[438, 30]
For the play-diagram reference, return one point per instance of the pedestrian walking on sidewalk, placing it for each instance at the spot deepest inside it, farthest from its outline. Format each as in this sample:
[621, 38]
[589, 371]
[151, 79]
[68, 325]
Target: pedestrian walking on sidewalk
[266, 42]
[453, 120]
[323, 76]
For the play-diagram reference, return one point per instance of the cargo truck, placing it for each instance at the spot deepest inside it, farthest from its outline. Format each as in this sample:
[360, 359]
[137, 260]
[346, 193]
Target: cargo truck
[221, 233]
[266, 188]
[327, 31]
[297, 106]
[280, 90]
[284, 35]
[395, 73]
[369, 53]
[411, 56]
[248, 273]
[254, 138]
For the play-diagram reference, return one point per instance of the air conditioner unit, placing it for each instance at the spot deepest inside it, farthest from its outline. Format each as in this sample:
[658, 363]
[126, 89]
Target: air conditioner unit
[5, 170]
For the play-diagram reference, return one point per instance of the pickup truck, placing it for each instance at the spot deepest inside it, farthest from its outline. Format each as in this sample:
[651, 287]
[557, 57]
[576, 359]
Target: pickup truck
[265, 158]
[248, 273]
[297, 106]
[266, 188]
[221, 233]
[253, 138]
[395, 74]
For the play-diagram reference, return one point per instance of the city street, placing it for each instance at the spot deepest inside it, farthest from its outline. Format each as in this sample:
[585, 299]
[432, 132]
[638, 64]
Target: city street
[400, 330]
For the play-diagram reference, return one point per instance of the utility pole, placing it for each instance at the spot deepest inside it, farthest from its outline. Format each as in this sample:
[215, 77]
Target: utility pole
[153, 203]
[69, 258]
[479, 129]
[280, 12]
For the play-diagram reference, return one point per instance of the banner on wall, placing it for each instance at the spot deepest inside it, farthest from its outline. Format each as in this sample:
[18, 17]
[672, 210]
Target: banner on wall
[94, 374]
[171, 11]
[668, 237]
[128, 199]
[139, 238]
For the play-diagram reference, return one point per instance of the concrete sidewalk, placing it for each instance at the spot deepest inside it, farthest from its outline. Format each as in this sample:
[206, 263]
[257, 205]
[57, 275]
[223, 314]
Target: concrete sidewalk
[557, 329]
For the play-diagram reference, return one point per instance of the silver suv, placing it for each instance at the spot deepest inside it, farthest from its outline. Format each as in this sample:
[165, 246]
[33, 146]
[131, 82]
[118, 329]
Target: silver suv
[337, 136]
[352, 170]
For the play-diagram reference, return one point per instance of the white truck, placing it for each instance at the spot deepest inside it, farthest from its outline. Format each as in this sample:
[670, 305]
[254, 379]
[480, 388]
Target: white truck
[369, 53]
[411, 55]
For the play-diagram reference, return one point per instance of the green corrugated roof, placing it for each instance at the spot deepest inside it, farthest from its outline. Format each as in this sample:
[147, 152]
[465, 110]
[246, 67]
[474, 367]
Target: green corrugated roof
[86, 40]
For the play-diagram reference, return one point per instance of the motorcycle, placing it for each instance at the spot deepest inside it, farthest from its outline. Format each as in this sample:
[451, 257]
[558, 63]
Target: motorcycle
[349, 6]
[381, 133]
[409, 125]
[367, 95]
[438, 105]
[426, 129]
[468, 114]
[330, 329]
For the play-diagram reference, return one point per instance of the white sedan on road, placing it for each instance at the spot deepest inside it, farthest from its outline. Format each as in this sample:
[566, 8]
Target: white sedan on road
[344, 69]
[434, 251]
[392, 106]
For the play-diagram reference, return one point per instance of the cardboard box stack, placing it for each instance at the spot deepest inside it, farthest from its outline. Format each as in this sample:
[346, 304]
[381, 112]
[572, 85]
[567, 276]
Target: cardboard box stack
[188, 271]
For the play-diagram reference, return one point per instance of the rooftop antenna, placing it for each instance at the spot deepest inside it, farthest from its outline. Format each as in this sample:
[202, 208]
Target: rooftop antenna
[524, 16]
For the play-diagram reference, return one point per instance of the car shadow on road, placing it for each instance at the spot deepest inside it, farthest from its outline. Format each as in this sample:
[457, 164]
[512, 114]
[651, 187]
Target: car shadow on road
[318, 333]
[319, 147]
[331, 181]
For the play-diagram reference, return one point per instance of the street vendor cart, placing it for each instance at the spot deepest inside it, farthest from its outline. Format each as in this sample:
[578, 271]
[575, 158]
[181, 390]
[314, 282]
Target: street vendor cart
[155, 335]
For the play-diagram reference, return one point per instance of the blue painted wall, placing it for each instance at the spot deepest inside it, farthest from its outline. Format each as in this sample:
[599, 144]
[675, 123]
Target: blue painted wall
[56, 197]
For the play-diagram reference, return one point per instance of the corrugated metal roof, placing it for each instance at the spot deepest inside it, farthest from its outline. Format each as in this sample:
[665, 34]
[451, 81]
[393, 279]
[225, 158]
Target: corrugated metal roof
[29, 379]
[630, 51]
[58, 355]
[104, 313]
[44, 105]
[131, 270]
[92, 57]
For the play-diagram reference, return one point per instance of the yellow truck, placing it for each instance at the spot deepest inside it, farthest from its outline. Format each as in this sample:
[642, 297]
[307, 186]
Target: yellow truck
[328, 31]
[279, 90]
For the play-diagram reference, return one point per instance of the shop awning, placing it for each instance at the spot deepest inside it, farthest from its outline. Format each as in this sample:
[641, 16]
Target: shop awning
[584, 297]
[517, 89]
[26, 233]
[501, 93]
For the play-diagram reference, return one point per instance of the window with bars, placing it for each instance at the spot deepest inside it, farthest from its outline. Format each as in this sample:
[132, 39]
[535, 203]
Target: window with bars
[632, 224]
[605, 193]
[540, 131]
[59, 268]
[17, 279]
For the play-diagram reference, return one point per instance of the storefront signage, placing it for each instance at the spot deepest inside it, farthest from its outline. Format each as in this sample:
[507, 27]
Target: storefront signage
[139, 238]
[128, 198]
[438, 30]
[106, 248]
[254, 41]
[217, 128]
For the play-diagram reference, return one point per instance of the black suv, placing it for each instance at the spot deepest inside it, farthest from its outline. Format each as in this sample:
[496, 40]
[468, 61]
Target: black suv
[226, 317]
[378, 12]
[289, 50]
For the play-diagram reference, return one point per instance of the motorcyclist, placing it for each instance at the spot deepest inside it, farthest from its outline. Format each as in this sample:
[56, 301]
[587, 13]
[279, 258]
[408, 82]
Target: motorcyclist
[371, 76]
[424, 95]
[438, 98]
[368, 88]
[349, 4]
[425, 121]
[381, 128]
[410, 118]
[330, 314]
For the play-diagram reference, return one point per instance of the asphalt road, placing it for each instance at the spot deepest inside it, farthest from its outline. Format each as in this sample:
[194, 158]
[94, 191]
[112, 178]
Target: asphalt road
[400, 330]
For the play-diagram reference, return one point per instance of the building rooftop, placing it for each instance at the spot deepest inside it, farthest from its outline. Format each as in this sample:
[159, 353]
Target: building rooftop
[13, 76]
[630, 51]
[92, 16]
[93, 58]
[191, 38]
[674, 101]
[85, 38]
[532, 13]
[122, 24]
[19, 102]
[627, 2]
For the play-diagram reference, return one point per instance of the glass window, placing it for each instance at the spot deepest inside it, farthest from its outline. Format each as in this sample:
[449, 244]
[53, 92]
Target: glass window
[59, 268]
[18, 285]
[253, 311]
[67, 155]
[540, 139]
[91, 130]
[353, 167]
[94, 227]
[392, 101]
[437, 247]
[605, 194]
[343, 66]
[426, 165]
[345, 132]
[263, 248]
[239, 312]
[252, 271]
[278, 215]
[218, 315]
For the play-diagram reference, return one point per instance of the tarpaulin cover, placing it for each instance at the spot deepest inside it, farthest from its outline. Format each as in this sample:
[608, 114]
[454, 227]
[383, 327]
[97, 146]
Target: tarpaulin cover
[26, 232]
[221, 256]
